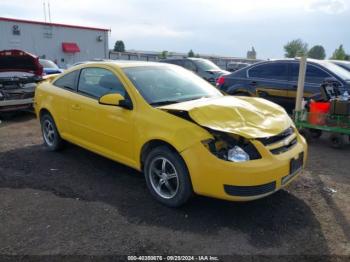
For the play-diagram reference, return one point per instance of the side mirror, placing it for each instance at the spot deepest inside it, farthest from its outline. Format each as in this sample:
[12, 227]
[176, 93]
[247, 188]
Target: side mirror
[115, 100]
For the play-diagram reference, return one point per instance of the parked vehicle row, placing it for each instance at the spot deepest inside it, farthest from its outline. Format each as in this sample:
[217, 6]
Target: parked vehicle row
[277, 80]
[173, 125]
[185, 135]
[202, 67]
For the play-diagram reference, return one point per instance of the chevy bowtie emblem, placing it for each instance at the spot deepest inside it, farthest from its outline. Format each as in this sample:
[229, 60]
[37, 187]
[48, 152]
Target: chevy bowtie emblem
[286, 142]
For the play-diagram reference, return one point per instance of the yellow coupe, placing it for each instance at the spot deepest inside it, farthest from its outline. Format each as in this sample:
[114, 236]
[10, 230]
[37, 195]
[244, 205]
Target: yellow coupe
[179, 130]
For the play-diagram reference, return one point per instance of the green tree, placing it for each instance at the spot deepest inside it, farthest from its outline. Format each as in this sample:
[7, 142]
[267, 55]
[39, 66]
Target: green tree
[197, 56]
[339, 54]
[317, 52]
[191, 53]
[295, 48]
[163, 54]
[119, 46]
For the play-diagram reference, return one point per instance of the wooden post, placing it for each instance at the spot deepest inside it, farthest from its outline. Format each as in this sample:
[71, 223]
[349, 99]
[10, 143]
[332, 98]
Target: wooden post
[301, 82]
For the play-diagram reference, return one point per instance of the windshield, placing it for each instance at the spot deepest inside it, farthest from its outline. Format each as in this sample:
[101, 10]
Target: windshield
[206, 64]
[48, 64]
[339, 71]
[160, 85]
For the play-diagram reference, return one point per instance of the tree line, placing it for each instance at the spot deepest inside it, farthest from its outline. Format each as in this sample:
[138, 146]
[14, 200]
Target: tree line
[294, 48]
[298, 47]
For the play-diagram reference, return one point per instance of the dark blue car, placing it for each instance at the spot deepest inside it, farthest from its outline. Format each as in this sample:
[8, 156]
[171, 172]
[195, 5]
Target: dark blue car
[277, 80]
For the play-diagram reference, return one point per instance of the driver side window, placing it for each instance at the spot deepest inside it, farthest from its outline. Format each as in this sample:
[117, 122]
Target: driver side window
[96, 82]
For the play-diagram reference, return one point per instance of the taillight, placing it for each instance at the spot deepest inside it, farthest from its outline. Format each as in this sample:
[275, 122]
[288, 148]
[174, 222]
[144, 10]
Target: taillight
[220, 81]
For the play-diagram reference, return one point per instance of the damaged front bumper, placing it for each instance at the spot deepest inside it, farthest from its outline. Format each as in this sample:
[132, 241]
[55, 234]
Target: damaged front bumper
[13, 100]
[248, 180]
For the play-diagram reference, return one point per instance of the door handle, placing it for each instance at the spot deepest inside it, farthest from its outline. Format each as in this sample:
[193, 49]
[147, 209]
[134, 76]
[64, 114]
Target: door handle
[253, 83]
[76, 107]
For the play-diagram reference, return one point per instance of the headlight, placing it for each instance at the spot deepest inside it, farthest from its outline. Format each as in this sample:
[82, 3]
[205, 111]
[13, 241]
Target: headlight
[231, 147]
[237, 154]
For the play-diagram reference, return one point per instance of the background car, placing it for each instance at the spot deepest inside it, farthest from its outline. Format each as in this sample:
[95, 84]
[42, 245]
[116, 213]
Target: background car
[234, 66]
[50, 67]
[19, 73]
[183, 133]
[277, 80]
[341, 63]
[202, 67]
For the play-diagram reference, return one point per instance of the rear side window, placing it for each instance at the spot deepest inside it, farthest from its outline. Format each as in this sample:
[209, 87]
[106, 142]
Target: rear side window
[96, 82]
[276, 71]
[67, 81]
[313, 75]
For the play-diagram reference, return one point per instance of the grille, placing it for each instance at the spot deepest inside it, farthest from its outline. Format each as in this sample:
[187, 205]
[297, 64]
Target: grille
[24, 95]
[285, 148]
[274, 139]
[14, 96]
[246, 191]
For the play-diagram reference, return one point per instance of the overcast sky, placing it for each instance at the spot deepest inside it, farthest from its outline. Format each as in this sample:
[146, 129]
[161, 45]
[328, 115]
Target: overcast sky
[223, 27]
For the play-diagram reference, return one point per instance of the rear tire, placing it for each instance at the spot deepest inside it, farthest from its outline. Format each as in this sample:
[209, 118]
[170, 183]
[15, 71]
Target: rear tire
[167, 177]
[51, 137]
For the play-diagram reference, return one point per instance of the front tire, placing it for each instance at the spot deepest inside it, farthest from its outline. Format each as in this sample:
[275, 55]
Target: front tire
[167, 177]
[52, 138]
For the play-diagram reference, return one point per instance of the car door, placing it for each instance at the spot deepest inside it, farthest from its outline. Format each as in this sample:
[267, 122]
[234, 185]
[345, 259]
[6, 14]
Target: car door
[270, 81]
[314, 77]
[67, 85]
[105, 129]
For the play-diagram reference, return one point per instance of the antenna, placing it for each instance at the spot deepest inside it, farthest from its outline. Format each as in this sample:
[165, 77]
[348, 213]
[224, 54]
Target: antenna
[48, 6]
[44, 5]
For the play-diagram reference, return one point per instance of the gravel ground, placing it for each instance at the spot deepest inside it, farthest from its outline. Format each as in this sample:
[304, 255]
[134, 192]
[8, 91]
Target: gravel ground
[75, 202]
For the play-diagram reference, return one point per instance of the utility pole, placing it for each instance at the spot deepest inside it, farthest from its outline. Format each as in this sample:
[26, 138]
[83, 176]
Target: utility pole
[49, 9]
[301, 83]
[44, 6]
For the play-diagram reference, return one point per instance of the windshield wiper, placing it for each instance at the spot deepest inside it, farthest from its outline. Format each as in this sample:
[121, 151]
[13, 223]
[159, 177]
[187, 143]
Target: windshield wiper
[165, 102]
[168, 102]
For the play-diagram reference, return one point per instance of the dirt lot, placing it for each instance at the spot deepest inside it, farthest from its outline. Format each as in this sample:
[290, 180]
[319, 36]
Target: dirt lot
[75, 202]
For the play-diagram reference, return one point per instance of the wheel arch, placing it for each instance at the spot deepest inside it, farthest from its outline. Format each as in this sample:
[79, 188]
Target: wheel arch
[44, 111]
[240, 89]
[150, 145]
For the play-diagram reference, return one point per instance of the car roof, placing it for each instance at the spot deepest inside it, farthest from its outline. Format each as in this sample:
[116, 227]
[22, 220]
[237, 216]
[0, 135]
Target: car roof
[297, 59]
[344, 62]
[121, 64]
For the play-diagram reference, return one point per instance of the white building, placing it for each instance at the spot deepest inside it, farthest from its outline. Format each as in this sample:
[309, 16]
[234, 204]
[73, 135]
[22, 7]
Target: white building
[62, 43]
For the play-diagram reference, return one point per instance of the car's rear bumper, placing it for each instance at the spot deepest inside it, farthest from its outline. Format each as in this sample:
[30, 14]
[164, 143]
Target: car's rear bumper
[245, 181]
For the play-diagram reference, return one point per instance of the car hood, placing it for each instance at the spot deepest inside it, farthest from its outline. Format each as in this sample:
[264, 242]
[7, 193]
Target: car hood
[20, 61]
[245, 116]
